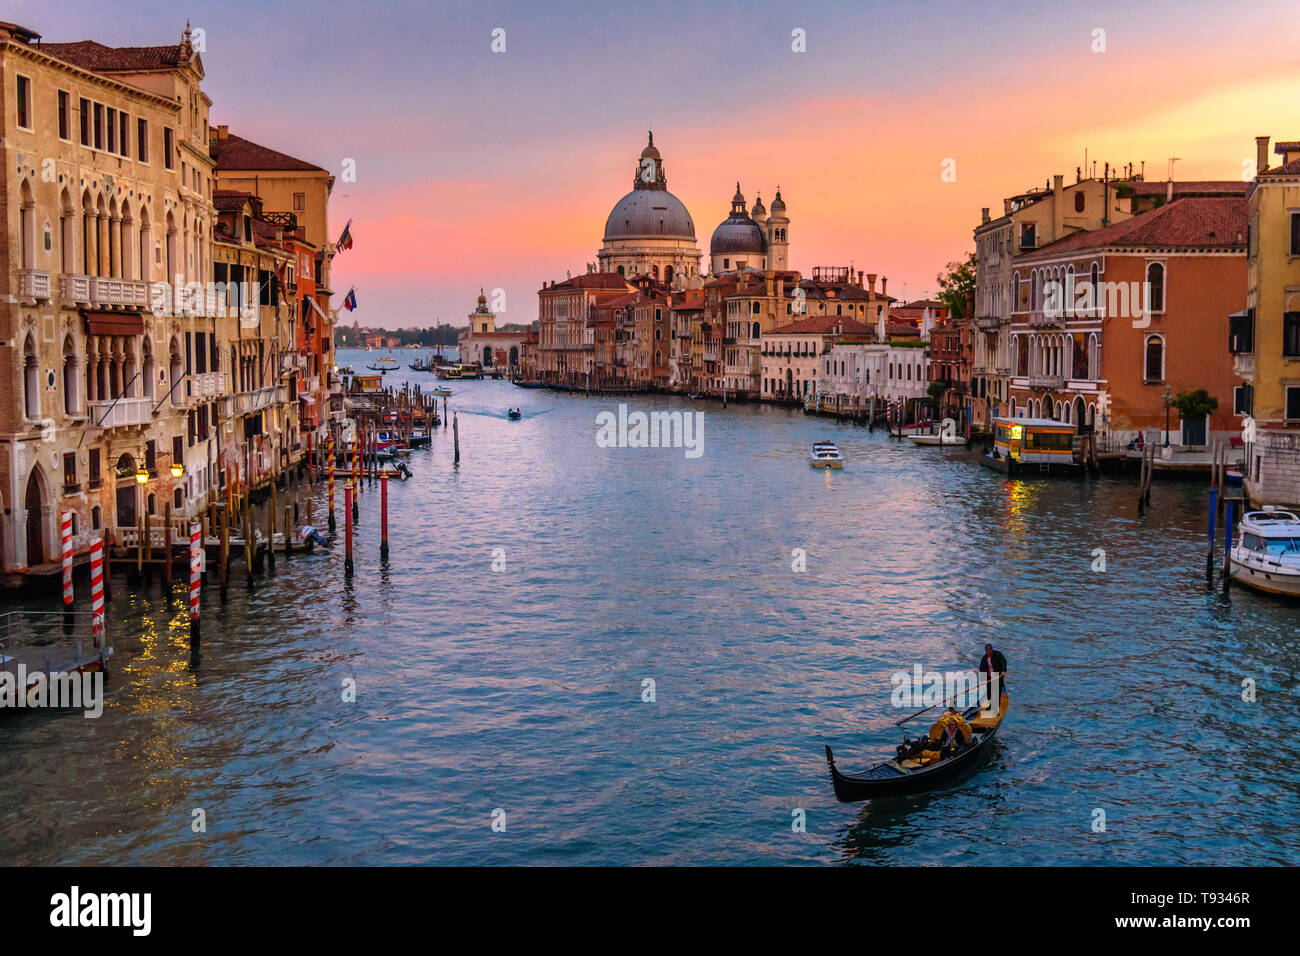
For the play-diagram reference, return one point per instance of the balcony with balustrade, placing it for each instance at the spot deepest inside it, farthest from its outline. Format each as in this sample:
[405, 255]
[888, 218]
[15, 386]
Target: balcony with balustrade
[1047, 382]
[207, 386]
[121, 413]
[33, 286]
[118, 293]
[75, 289]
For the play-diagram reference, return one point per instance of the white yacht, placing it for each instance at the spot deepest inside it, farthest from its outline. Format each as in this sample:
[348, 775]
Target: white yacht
[825, 455]
[1267, 554]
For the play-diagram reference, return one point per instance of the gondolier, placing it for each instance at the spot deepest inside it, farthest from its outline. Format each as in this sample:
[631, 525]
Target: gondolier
[993, 664]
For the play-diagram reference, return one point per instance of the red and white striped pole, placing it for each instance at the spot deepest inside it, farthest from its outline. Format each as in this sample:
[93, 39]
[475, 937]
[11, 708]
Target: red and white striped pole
[196, 576]
[65, 531]
[97, 590]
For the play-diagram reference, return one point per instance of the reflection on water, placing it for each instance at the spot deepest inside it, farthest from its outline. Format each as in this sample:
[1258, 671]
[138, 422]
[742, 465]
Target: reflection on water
[522, 689]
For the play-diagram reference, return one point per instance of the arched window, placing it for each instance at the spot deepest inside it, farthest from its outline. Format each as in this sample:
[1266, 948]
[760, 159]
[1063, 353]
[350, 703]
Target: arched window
[1154, 367]
[147, 370]
[177, 393]
[755, 331]
[67, 234]
[1094, 278]
[71, 379]
[26, 227]
[668, 273]
[1155, 287]
[31, 380]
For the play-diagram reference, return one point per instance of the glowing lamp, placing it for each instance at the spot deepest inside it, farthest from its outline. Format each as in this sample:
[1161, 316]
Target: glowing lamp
[177, 469]
[142, 477]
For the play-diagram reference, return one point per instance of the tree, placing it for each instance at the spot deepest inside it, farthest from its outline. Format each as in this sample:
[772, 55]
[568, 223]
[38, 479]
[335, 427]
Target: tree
[957, 286]
[935, 391]
[1193, 406]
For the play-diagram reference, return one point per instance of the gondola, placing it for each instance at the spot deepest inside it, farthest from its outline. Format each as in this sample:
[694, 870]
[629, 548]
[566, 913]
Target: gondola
[521, 384]
[901, 776]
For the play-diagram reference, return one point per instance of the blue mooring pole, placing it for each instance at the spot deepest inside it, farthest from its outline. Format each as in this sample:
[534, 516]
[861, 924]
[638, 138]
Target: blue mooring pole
[1227, 547]
[1209, 559]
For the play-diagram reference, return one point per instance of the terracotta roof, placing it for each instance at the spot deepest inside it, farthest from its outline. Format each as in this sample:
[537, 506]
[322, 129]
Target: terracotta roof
[98, 58]
[1193, 223]
[1193, 187]
[822, 324]
[590, 280]
[1286, 169]
[235, 152]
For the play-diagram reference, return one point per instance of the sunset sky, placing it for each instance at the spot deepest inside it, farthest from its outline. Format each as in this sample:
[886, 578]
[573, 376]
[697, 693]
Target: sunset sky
[498, 170]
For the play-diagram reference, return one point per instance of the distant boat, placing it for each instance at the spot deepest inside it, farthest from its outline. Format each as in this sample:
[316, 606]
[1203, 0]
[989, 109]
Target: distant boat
[825, 455]
[386, 364]
[514, 415]
[528, 384]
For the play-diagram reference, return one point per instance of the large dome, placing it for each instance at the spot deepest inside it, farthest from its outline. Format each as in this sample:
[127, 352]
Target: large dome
[655, 213]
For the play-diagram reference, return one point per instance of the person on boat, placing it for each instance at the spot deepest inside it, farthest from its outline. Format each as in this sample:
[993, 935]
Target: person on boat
[311, 536]
[993, 664]
[951, 740]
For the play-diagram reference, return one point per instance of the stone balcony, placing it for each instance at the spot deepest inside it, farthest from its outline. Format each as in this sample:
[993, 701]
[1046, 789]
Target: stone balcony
[1047, 381]
[256, 400]
[1046, 320]
[33, 286]
[207, 386]
[75, 289]
[123, 413]
[988, 323]
[1243, 365]
[119, 293]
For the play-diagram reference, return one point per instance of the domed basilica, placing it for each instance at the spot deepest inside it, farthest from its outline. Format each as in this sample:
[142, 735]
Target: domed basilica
[650, 232]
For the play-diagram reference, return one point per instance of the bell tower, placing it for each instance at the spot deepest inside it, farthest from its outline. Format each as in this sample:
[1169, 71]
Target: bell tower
[778, 241]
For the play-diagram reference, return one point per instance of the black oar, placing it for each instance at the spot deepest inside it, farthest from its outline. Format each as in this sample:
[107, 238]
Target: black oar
[899, 723]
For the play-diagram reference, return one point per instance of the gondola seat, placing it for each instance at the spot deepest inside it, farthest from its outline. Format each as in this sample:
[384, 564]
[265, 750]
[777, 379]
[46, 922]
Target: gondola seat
[987, 720]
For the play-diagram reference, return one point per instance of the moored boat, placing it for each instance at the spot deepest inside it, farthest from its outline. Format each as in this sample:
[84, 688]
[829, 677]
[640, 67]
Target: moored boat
[1022, 445]
[527, 384]
[921, 764]
[939, 439]
[825, 454]
[1267, 553]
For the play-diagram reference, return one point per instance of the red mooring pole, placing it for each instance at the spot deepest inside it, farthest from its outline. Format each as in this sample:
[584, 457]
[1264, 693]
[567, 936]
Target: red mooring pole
[347, 528]
[383, 509]
[65, 532]
[97, 590]
[196, 577]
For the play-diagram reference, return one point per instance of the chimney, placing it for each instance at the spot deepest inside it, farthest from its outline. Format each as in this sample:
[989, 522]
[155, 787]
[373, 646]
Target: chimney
[871, 286]
[984, 214]
[1261, 154]
[883, 282]
[1006, 207]
[223, 132]
[1169, 192]
[1057, 183]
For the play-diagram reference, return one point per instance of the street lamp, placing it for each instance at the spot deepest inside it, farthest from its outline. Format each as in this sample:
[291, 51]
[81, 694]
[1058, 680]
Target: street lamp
[1169, 401]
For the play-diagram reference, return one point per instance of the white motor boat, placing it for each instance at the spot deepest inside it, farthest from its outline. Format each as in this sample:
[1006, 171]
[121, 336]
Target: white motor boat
[939, 439]
[1267, 553]
[825, 455]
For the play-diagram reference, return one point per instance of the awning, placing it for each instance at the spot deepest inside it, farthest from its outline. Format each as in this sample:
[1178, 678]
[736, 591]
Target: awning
[307, 399]
[113, 323]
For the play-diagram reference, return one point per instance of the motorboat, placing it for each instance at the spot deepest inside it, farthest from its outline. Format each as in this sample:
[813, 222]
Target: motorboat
[825, 454]
[386, 364]
[514, 414]
[1267, 553]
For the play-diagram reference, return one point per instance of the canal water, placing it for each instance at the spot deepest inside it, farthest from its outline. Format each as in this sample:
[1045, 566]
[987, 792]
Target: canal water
[501, 659]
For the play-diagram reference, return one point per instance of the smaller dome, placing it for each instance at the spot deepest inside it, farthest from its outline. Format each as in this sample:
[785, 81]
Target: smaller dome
[778, 204]
[650, 152]
[758, 212]
[736, 235]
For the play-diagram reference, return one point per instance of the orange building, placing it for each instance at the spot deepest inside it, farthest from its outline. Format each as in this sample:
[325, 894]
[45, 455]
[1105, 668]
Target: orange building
[1107, 325]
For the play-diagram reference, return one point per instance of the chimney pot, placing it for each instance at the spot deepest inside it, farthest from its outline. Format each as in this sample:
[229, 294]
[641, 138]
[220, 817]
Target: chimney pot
[1261, 154]
[871, 279]
[984, 214]
[884, 280]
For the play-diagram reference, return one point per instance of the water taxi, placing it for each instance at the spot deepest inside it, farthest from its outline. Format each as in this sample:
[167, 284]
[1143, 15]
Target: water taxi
[386, 364]
[1267, 554]
[825, 455]
[446, 371]
[1031, 444]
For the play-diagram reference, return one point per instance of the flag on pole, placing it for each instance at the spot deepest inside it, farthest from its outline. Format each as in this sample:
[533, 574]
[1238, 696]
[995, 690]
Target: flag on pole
[350, 300]
[345, 240]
